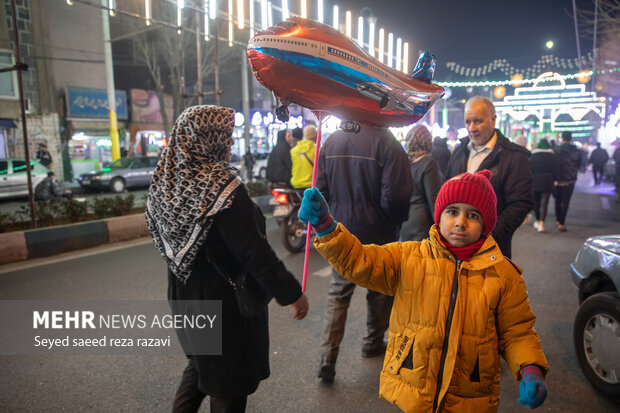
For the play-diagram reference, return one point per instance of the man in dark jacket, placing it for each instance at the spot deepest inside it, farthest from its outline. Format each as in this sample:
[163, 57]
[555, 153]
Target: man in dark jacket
[598, 159]
[365, 179]
[569, 159]
[44, 157]
[279, 163]
[441, 154]
[616, 157]
[48, 189]
[487, 148]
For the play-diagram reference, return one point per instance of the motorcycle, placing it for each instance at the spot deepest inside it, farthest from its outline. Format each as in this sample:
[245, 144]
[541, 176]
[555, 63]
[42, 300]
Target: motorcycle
[292, 230]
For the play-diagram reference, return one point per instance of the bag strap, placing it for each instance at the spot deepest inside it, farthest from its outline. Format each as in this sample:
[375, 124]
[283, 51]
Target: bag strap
[218, 268]
[306, 156]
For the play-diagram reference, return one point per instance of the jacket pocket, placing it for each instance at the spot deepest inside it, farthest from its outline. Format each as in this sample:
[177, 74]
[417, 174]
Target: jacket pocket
[489, 366]
[407, 360]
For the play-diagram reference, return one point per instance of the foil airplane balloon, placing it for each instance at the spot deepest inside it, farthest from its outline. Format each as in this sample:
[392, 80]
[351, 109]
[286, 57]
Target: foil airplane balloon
[313, 65]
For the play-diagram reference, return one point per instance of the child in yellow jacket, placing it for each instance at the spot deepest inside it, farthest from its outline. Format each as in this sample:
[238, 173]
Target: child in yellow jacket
[458, 303]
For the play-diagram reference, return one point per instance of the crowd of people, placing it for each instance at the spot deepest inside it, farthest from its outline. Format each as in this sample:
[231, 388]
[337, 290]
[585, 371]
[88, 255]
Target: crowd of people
[419, 228]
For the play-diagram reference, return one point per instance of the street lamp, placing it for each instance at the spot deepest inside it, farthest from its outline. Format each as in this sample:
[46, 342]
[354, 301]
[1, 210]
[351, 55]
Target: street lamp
[549, 44]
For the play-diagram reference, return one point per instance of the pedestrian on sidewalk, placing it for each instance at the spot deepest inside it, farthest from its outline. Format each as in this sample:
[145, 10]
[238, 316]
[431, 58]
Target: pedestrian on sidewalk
[568, 160]
[247, 164]
[598, 159]
[365, 178]
[426, 183]
[543, 162]
[302, 159]
[616, 158]
[208, 231]
[458, 303]
[279, 164]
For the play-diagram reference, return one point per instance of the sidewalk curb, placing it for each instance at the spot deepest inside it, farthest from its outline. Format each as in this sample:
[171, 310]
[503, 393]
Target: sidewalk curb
[45, 242]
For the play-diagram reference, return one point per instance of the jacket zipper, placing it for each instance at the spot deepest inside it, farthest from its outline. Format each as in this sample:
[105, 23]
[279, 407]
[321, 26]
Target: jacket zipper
[446, 339]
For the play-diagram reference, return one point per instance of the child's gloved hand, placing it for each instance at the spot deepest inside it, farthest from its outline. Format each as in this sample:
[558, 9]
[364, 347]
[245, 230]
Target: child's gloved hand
[533, 390]
[314, 209]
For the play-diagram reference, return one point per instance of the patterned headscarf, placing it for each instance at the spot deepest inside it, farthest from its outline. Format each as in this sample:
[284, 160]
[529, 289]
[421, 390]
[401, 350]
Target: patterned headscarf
[419, 139]
[192, 182]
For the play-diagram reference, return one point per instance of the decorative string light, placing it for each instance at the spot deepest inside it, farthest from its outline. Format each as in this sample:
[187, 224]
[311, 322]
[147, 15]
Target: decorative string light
[206, 7]
[147, 11]
[252, 18]
[348, 29]
[509, 82]
[212, 9]
[505, 67]
[360, 31]
[230, 23]
[336, 23]
[240, 14]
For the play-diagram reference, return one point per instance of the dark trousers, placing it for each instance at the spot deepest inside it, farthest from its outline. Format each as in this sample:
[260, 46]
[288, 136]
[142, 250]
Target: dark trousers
[541, 200]
[562, 199]
[379, 307]
[188, 397]
[597, 172]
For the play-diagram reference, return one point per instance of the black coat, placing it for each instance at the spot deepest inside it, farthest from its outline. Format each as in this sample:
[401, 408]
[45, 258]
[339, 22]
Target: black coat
[511, 180]
[237, 239]
[279, 164]
[366, 180]
[426, 184]
[544, 165]
[599, 157]
[441, 154]
[569, 160]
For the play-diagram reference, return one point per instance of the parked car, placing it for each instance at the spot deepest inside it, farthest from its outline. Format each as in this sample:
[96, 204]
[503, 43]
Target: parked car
[596, 334]
[121, 174]
[14, 179]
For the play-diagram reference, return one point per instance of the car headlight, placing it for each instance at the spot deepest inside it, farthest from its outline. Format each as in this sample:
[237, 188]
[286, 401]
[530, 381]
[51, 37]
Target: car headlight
[101, 177]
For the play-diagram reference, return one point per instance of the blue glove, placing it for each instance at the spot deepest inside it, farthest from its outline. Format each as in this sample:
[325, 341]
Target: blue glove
[314, 209]
[533, 390]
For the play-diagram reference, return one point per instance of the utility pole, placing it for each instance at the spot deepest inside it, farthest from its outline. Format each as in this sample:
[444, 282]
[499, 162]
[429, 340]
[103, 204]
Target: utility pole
[109, 71]
[19, 67]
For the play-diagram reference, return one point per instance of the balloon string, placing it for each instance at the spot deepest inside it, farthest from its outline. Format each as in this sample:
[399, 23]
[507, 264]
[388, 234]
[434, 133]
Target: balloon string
[319, 116]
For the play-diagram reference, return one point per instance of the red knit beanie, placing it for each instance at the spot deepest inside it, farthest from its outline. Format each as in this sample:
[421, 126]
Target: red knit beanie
[473, 189]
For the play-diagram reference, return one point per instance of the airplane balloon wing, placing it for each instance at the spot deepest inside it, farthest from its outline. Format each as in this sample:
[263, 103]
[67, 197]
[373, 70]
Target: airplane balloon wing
[313, 65]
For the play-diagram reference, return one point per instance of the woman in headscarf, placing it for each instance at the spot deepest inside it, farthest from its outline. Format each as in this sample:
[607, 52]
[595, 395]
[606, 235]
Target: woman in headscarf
[426, 183]
[199, 212]
[543, 163]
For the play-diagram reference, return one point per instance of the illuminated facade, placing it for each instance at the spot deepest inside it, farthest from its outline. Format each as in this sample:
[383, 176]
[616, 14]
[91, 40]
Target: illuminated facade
[552, 109]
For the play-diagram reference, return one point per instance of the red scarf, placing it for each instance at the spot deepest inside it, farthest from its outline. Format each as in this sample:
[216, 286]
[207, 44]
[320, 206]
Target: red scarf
[464, 253]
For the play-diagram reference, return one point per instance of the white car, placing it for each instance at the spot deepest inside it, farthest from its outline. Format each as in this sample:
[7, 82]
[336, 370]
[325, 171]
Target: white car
[14, 179]
[596, 334]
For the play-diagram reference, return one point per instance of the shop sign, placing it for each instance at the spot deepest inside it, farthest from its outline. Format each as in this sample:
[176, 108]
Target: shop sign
[92, 103]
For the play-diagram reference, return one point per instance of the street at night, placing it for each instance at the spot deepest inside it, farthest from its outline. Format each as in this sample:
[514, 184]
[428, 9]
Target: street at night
[134, 271]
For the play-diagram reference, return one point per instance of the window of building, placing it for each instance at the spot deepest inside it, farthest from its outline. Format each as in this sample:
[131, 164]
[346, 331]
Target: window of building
[8, 80]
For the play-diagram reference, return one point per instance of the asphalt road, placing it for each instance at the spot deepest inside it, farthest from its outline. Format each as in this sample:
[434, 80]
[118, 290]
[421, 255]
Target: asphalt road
[133, 271]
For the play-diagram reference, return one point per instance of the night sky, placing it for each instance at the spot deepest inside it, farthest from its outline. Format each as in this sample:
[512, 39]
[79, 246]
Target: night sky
[475, 32]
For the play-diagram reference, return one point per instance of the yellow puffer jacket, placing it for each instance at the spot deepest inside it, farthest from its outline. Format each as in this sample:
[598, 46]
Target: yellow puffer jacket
[436, 341]
[302, 157]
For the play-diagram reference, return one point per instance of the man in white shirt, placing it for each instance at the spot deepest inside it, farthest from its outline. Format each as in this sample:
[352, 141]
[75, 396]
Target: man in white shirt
[487, 148]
